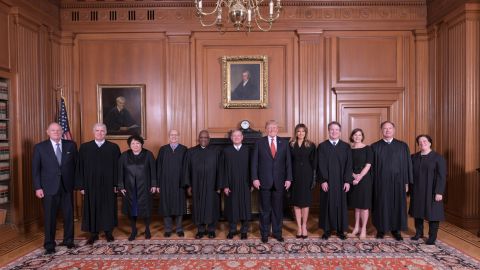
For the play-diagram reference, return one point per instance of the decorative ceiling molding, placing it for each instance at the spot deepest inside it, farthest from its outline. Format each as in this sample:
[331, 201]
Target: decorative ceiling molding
[129, 15]
[289, 13]
[81, 4]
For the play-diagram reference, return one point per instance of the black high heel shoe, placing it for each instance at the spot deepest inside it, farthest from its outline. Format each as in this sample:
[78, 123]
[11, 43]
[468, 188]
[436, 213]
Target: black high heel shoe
[133, 235]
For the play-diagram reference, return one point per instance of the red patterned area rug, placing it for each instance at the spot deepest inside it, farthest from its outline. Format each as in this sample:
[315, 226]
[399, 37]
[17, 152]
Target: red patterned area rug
[312, 253]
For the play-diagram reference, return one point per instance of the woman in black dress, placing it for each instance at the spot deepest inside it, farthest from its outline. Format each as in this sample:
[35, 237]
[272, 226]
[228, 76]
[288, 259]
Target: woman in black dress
[429, 176]
[360, 195]
[303, 160]
[137, 180]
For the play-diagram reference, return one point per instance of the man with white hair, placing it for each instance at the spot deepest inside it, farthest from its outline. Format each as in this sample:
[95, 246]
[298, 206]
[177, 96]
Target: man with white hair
[53, 173]
[96, 178]
[172, 194]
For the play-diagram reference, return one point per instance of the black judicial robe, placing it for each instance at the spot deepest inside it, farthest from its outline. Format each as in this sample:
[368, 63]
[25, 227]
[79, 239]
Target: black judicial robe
[137, 175]
[96, 173]
[335, 168]
[392, 170]
[201, 167]
[235, 175]
[429, 178]
[169, 173]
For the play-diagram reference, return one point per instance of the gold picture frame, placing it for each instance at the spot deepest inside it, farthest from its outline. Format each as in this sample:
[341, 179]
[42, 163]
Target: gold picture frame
[121, 107]
[245, 81]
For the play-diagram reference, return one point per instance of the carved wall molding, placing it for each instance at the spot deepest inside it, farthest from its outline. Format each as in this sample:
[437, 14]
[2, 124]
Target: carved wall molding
[158, 14]
[189, 3]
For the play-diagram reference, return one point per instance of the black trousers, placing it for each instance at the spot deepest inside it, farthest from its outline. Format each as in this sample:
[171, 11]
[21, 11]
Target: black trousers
[51, 204]
[271, 212]
[432, 228]
[243, 228]
[168, 220]
[207, 227]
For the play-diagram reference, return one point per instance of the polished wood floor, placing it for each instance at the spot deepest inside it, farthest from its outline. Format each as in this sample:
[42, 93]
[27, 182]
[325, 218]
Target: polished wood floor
[14, 243]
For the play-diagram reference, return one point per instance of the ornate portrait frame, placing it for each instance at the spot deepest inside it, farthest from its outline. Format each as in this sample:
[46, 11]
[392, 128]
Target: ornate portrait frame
[133, 114]
[239, 92]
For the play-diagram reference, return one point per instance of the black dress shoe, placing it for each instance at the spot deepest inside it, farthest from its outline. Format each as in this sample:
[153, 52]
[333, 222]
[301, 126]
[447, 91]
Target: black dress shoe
[180, 234]
[167, 234]
[211, 235]
[109, 237]
[199, 235]
[380, 235]
[243, 236]
[49, 251]
[132, 236]
[148, 235]
[230, 235]
[304, 236]
[68, 245]
[430, 241]
[299, 236]
[62, 244]
[264, 239]
[92, 239]
[397, 236]
[326, 235]
[416, 237]
[279, 238]
[342, 236]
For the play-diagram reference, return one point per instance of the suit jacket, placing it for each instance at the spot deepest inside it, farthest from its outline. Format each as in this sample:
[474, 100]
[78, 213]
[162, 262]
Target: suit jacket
[46, 172]
[271, 171]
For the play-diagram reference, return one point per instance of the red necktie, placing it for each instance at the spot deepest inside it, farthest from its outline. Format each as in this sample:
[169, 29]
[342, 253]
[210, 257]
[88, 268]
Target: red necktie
[272, 148]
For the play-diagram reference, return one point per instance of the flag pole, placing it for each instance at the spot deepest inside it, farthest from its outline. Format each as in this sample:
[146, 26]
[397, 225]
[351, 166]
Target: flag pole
[58, 100]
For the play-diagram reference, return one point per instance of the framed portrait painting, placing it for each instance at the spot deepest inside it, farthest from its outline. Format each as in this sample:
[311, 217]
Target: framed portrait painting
[245, 81]
[122, 109]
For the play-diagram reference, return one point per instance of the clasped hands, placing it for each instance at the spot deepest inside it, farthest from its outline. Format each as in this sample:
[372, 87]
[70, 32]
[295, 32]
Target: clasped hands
[152, 190]
[356, 178]
[346, 187]
[256, 184]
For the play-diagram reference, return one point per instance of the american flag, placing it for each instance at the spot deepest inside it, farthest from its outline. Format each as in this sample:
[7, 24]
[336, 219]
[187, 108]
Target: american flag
[63, 120]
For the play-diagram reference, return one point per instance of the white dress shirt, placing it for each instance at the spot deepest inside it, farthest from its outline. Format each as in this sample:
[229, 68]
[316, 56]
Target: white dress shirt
[99, 143]
[334, 143]
[274, 141]
[388, 141]
[54, 145]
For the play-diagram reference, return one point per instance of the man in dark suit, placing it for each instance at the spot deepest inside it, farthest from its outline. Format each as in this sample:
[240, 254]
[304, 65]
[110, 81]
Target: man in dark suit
[53, 171]
[246, 89]
[271, 174]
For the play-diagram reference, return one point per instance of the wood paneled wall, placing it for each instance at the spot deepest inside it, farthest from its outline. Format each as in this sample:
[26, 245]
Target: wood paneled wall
[279, 47]
[360, 93]
[454, 39]
[371, 81]
[123, 59]
[357, 62]
[30, 57]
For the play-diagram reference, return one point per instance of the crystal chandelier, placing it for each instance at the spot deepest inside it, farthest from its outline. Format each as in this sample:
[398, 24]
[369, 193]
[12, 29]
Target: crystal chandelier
[244, 14]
